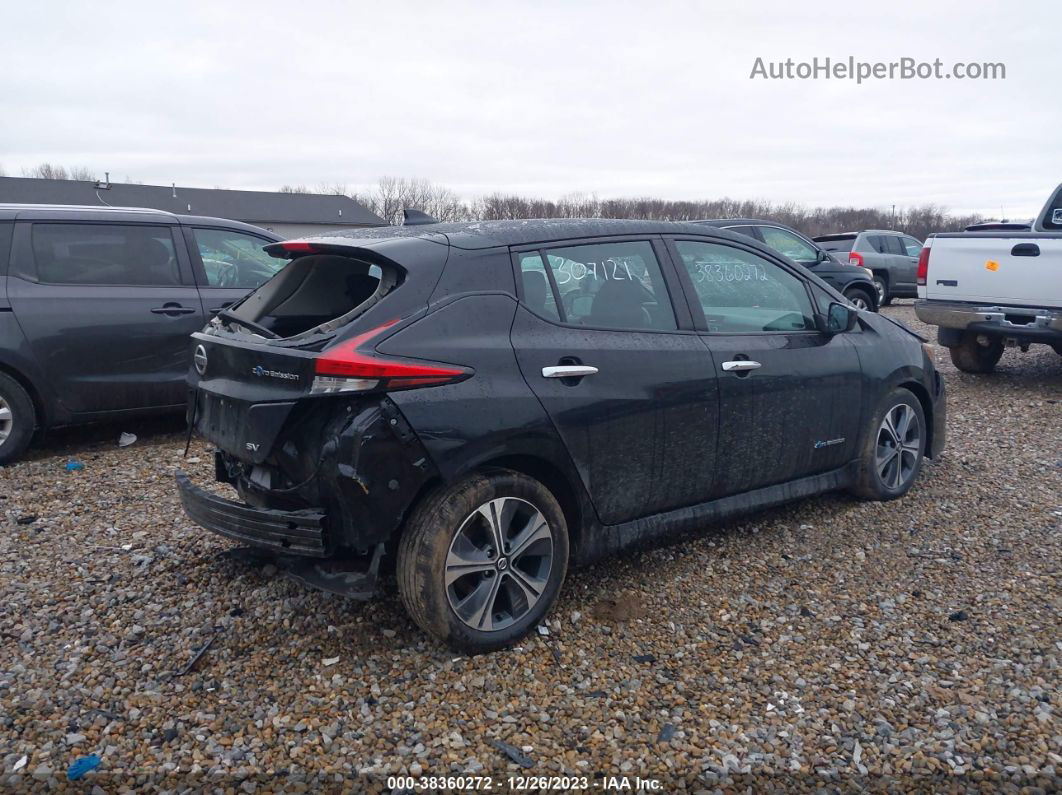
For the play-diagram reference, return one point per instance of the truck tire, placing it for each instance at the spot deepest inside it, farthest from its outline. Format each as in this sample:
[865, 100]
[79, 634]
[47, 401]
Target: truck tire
[893, 448]
[17, 419]
[881, 284]
[970, 356]
[481, 562]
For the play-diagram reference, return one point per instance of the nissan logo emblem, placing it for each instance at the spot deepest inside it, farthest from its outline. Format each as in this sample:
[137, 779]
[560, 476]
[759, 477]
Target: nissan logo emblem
[199, 359]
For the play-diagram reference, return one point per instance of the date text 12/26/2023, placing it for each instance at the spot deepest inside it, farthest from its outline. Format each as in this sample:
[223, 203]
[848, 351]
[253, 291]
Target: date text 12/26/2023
[523, 783]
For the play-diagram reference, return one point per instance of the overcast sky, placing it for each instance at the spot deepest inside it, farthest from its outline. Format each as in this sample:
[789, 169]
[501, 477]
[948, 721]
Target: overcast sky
[542, 98]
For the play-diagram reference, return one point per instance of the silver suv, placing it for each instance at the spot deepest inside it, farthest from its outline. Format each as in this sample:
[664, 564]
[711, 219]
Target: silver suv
[891, 256]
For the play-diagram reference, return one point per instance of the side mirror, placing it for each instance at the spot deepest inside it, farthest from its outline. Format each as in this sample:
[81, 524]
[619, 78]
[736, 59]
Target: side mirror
[838, 318]
[824, 256]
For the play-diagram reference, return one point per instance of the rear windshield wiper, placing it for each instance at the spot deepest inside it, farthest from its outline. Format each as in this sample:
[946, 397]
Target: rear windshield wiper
[225, 314]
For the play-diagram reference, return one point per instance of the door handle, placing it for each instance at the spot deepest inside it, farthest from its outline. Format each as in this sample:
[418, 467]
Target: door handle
[568, 371]
[1025, 250]
[740, 366]
[225, 305]
[172, 309]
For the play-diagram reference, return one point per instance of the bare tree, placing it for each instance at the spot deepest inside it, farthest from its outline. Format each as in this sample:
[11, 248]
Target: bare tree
[52, 171]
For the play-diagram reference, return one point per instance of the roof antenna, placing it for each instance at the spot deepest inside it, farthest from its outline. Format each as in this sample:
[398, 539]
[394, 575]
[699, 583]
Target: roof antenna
[105, 185]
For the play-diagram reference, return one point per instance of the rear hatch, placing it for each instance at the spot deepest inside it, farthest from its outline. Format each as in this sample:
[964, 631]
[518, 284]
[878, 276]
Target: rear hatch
[836, 243]
[302, 342]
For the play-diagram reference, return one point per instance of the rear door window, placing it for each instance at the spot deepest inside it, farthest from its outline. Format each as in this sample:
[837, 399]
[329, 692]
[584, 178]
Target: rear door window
[742, 292]
[893, 246]
[131, 254]
[536, 291]
[877, 244]
[235, 259]
[614, 285]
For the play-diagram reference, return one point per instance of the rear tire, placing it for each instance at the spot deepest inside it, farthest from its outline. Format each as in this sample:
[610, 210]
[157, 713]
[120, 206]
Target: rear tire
[481, 563]
[17, 419]
[893, 448]
[882, 286]
[861, 298]
[972, 357]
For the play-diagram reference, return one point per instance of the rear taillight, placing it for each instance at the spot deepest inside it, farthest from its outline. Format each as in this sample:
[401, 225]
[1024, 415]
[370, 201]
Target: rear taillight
[855, 258]
[354, 366]
[923, 266]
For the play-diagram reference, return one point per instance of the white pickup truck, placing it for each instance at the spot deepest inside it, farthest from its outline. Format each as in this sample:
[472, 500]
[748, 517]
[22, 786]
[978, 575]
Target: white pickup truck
[989, 290]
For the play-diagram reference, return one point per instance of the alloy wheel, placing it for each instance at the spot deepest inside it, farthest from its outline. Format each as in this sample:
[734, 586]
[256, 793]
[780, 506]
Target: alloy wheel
[7, 420]
[498, 564]
[899, 446]
[880, 287]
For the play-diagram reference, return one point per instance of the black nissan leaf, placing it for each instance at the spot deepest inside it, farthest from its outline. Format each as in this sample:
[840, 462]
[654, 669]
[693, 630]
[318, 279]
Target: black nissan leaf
[482, 405]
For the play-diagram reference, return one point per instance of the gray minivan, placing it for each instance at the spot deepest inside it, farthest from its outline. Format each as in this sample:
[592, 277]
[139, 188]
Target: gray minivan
[97, 304]
[891, 256]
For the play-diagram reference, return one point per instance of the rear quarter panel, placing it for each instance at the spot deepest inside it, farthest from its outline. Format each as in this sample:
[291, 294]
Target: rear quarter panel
[491, 415]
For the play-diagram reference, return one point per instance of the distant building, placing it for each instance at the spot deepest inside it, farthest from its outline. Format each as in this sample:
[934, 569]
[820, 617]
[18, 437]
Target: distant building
[286, 214]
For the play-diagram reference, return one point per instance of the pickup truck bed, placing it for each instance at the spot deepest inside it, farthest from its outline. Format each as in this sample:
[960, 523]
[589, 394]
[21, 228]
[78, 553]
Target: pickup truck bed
[988, 290]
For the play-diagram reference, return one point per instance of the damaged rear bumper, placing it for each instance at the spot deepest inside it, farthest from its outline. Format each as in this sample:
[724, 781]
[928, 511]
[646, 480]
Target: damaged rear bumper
[282, 532]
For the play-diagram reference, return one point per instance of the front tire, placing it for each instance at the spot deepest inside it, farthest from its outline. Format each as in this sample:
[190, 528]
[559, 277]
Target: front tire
[893, 448]
[17, 419]
[860, 298]
[972, 357]
[481, 562]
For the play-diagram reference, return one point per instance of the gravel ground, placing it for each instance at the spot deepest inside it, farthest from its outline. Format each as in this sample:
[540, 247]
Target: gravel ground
[829, 643]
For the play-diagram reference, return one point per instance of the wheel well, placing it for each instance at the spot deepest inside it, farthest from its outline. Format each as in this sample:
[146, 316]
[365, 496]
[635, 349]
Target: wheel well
[881, 274]
[34, 396]
[920, 392]
[553, 479]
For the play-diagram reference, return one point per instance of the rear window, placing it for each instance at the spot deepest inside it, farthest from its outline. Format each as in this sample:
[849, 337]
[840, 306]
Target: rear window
[1053, 215]
[836, 244]
[105, 254]
[316, 294]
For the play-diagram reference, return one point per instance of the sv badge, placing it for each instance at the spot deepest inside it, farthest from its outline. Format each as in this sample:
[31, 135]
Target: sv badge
[253, 447]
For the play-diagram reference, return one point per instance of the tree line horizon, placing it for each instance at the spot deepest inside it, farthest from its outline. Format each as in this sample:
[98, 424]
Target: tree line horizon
[391, 195]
